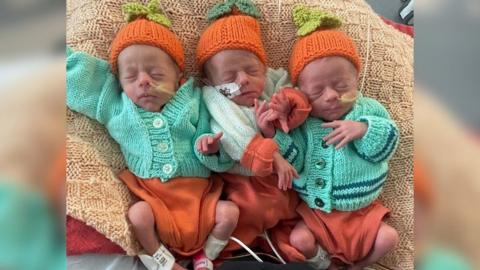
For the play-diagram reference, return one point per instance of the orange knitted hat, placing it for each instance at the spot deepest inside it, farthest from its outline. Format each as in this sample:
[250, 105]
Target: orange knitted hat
[147, 26]
[234, 27]
[319, 39]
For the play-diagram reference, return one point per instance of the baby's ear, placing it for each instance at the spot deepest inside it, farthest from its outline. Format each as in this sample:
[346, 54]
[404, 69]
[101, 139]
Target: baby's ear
[181, 79]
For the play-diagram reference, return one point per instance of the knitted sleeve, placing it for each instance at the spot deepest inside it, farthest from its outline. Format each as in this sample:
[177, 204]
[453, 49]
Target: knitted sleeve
[382, 136]
[292, 147]
[219, 162]
[258, 156]
[92, 89]
[300, 107]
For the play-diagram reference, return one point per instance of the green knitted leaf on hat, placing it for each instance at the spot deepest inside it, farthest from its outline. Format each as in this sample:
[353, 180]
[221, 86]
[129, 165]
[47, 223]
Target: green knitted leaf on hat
[150, 11]
[227, 7]
[308, 20]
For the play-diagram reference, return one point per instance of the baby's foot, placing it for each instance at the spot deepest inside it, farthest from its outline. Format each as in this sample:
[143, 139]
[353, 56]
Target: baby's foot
[201, 262]
[162, 259]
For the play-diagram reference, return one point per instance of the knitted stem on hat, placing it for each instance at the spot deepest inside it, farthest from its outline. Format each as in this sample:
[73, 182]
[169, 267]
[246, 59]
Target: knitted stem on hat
[308, 20]
[230, 7]
[151, 11]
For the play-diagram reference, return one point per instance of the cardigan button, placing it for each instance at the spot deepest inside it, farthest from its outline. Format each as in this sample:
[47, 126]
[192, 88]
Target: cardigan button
[162, 147]
[158, 122]
[320, 183]
[319, 202]
[324, 144]
[320, 164]
[167, 168]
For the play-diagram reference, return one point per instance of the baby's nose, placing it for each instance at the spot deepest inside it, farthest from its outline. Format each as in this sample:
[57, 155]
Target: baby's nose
[145, 80]
[242, 78]
[331, 95]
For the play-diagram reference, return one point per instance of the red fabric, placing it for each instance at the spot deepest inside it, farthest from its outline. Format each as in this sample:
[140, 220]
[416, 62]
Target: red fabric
[82, 238]
[407, 29]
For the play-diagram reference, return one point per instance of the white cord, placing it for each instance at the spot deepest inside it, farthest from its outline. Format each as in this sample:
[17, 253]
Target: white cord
[246, 248]
[265, 234]
[367, 57]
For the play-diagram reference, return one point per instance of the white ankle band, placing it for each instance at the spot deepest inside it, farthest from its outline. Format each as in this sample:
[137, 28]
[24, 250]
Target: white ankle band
[162, 259]
[214, 246]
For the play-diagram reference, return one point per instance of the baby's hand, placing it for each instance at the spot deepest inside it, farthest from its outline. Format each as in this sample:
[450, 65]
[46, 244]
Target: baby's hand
[264, 119]
[209, 145]
[344, 132]
[285, 171]
[281, 106]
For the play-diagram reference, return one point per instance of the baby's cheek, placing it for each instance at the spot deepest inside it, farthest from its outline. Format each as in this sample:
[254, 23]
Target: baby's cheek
[261, 85]
[173, 84]
[130, 92]
[316, 106]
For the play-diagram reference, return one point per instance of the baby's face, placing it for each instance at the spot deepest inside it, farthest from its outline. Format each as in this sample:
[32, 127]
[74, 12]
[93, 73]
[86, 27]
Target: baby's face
[140, 69]
[241, 67]
[324, 81]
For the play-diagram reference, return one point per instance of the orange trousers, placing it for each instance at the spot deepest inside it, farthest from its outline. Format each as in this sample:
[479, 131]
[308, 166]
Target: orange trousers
[184, 208]
[262, 205]
[347, 236]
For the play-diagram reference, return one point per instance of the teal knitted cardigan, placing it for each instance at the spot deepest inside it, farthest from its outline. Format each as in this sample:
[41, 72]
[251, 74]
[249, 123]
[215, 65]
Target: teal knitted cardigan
[349, 178]
[154, 144]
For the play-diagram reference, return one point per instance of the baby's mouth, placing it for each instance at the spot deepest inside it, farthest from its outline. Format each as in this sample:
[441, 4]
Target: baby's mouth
[248, 93]
[334, 109]
[147, 95]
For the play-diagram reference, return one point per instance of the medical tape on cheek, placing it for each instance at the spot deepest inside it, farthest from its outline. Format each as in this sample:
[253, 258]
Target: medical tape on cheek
[348, 98]
[230, 90]
[163, 93]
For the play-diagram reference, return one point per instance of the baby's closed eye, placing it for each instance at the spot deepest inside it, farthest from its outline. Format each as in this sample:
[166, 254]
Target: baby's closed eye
[157, 75]
[130, 76]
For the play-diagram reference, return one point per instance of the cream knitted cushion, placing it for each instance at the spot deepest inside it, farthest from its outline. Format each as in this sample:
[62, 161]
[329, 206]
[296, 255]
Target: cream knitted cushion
[98, 198]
